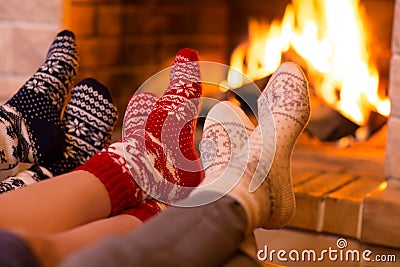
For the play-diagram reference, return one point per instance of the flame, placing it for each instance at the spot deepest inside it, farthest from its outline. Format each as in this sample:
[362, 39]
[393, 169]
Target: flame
[330, 36]
[383, 186]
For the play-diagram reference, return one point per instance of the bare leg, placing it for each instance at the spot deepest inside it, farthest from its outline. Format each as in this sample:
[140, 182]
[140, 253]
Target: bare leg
[202, 236]
[57, 204]
[51, 249]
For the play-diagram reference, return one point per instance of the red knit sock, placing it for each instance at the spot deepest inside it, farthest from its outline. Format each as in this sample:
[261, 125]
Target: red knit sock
[109, 165]
[166, 141]
[170, 128]
[146, 209]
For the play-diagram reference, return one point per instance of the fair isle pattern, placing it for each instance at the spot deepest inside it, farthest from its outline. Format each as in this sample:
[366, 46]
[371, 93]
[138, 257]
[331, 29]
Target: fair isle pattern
[10, 184]
[138, 109]
[169, 132]
[24, 178]
[284, 106]
[286, 97]
[55, 76]
[220, 142]
[116, 152]
[225, 132]
[39, 103]
[89, 120]
[10, 127]
[128, 159]
[184, 72]
[128, 152]
[65, 44]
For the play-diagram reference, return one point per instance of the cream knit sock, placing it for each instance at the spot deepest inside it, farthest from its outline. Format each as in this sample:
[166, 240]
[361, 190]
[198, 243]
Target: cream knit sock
[265, 190]
[225, 131]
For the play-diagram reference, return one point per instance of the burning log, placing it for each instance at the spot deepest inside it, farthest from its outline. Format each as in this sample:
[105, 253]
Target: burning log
[375, 122]
[248, 94]
[326, 123]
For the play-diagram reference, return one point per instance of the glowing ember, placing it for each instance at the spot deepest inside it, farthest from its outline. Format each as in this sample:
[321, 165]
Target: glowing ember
[330, 36]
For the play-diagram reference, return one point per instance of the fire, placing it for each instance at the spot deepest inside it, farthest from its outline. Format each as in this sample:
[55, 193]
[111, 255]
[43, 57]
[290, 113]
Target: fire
[330, 37]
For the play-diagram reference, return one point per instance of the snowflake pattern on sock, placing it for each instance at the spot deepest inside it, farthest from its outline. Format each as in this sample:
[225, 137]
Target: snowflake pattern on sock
[170, 127]
[30, 121]
[34, 174]
[139, 107]
[225, 131]
[124, 165]
[89, 120]
[284, 110]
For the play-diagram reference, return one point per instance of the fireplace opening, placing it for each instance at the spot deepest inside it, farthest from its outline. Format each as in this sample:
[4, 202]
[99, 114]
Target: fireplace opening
[333, 42]
[124, 43]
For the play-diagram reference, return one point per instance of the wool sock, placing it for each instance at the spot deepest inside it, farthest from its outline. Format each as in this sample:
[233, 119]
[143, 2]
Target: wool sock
[283, 105]
[110, 166]
[30, 176]
[137, 111]
[124, 165]
[146, 209]
[225, 132]
[170, 131]
[30, 125]
[89, 119]
[226, 129]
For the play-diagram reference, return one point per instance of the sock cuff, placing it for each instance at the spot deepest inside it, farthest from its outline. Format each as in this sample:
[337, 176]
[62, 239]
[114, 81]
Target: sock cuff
[116, 179]
[39, 172]
[250, 205]
[145, 210]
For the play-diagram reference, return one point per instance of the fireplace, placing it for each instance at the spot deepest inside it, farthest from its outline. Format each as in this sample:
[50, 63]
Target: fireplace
[122, 43]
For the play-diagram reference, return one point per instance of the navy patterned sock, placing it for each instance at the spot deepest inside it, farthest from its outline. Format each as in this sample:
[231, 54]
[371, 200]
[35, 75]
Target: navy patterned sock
[30, 122]
[89, 119]
[34, 174]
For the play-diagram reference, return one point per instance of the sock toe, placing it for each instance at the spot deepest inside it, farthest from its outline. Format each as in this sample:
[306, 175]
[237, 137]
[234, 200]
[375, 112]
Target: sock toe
[89, 119]
[66, 33]
[189, 54]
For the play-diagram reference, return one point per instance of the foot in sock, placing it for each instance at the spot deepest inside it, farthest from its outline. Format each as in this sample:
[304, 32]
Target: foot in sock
[110, 165]
[285, 104]
[30, 122]
[124, 164]
[225, 132]
[169, 133]
[89, 119]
